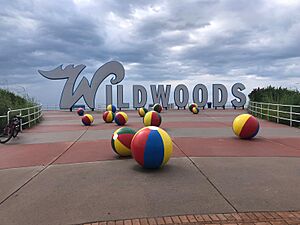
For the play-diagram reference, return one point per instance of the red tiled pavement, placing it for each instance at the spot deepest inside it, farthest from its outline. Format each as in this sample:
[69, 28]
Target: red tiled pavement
[197, 147]
[30, 154]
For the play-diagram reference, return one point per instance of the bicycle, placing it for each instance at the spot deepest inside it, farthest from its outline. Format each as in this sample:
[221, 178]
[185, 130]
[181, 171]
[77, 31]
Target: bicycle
[12, 129]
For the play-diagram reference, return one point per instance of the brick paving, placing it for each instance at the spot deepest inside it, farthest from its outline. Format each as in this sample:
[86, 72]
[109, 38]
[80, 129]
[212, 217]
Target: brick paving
[248, 218]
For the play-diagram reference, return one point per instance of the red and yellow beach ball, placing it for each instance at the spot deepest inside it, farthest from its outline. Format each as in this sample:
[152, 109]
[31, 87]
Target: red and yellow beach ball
[151, 147]
[142, 111]
[121, 141]
[152, 118]
[157, 107]
[191, 106]
[111, 108]
[80, 112]
[195, 110]
[108, 116]
[87, 119]
[245, 126]
[121, 118]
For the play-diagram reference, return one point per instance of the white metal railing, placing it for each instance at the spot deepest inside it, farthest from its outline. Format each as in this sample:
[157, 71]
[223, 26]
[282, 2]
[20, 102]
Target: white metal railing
[277, 111]
[29, 115]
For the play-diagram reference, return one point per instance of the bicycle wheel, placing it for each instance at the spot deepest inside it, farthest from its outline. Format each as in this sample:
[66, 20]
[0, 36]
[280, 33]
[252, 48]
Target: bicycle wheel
[6, 134]
[16, 130]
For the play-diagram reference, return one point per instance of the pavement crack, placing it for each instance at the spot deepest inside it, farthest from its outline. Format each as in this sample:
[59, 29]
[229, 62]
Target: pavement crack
[43, 169]
[207, 178]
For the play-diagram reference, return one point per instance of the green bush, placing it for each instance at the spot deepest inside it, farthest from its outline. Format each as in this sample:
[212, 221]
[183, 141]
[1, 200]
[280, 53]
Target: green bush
[12, 101]
[279, 95]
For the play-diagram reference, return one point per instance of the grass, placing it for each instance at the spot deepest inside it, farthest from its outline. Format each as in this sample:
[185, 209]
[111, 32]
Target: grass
[12, 101]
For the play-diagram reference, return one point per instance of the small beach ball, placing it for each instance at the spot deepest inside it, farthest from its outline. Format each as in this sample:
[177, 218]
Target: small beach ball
[87, 119]
[157, 107]
[121, 141]
[195, 110]
[121, 118]
[245, 126]
[80, 112]
[142, 111]
[191, 106]
[152, 118]
[151, 147]
[111, 108]
[108, 116]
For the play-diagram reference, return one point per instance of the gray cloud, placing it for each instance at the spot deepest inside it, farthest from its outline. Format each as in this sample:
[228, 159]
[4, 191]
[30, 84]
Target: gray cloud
[157, 41]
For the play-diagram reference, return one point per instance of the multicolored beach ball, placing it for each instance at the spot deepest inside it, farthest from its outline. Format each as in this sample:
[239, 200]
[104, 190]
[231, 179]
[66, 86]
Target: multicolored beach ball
[245, 126]
[151, 147]
[121, 141]
[87, 119]
[142, 111]
[80, 112]
[108, 116]
[195, 110]
[121, 118]
[152, 118]
[111, 108]
[191, 106]
[157, 107]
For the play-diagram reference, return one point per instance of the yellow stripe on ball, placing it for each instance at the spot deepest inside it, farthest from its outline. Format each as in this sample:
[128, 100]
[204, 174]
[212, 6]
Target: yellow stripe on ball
[168, 145]
[239, 123]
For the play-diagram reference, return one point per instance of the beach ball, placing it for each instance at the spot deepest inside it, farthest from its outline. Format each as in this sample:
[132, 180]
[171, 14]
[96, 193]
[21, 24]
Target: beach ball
[87, 119]
[121, 141]
[245, 126]
[80, 112]
[111, 108]
[121, 118]
[142, 111]
[108, 116]
[157, 107]
[195, 110]
[151, 147]
[191, 106]
[152, 118]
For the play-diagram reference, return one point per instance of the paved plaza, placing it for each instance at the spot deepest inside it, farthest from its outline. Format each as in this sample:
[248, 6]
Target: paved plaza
[61, 172]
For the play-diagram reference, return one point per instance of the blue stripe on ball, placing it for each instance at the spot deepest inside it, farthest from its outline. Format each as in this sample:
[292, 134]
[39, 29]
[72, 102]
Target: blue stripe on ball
[154, 158]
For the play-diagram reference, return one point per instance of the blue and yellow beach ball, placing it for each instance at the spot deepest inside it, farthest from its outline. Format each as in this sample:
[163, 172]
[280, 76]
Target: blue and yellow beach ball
[245, 126]
[157, 107]
[80, 112]
[191, 106]
[111, 108]
[87, 119]
[152, 118]
[142, 111]
[121, 141]
[195, 110]
[121, 118]
[108, 116]
[151, 147]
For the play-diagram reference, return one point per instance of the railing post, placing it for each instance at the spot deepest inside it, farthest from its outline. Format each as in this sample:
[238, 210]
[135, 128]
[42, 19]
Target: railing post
[8, 112]
[277, 116]
[28, 116]
[261, 112]
[268, 111]
[291, 116]
[34, 115]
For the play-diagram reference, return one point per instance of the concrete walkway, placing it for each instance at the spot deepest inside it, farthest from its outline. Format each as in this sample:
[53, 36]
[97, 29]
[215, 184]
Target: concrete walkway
[61, 172]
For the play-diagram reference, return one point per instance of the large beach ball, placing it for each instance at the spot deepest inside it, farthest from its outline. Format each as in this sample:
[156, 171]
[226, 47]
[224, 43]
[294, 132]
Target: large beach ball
[121, 141]
[111, 108]
[80, 112]
[157, 107]
[152, 118]
[191, 106]
[87, 119]
[108, 116]
[142, 111]
[245, 126]
[195, 110]
[151, 147]
[121, 118]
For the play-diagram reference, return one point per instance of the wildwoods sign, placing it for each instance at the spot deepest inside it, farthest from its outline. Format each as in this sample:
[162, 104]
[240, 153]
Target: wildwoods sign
[159, 93]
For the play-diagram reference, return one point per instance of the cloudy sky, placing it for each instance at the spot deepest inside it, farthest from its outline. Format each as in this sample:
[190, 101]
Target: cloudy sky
[168, 42]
